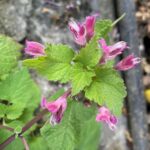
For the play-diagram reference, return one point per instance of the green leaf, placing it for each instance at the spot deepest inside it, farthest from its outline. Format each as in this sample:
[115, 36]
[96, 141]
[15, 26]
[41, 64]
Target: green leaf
[102, 28]
[3, 109]
[9, 52]
[90, 135]
[56, 66]
[90, 54]
[107, 89]
[84, 113]
[37, 143]
[15, 93]
[57, 94]
[71, 132]
[16, 125]
[60, 52]
[109, 64]
[80, 78]
[29, 111]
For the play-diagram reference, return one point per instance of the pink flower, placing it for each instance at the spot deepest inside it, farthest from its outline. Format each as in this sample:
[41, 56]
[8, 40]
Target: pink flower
[111, 51]
[105, 116]
[34, 48]
[78, 31]
[128, 63]
[83, 32]
[57, 108]
[89, 25]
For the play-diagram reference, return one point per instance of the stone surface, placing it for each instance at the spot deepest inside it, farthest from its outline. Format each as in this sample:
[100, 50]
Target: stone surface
[49, 19]
[13, 17]
[114, 140]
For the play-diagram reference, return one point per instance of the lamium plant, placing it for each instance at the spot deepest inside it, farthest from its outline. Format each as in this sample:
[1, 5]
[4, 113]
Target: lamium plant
[70, 119]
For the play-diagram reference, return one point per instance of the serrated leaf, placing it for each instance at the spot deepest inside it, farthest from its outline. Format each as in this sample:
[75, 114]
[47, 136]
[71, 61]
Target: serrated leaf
[29, 111]
[38, 143]
[16, 90]
[107, 89]
[9, 52]
[84, 113]
[80, 78]
[90, 54]
[32, 104]
[60, 52]
[102, 28]
[56, 66]
[90, 135]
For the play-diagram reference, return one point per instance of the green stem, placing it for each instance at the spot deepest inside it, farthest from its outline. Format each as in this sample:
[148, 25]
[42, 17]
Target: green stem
[119, 19]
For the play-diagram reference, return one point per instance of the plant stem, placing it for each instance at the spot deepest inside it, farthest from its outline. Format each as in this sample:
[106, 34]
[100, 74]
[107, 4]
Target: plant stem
[26, 146]
[8, 141]
[33, 121]
[24, 129]
[119, 19]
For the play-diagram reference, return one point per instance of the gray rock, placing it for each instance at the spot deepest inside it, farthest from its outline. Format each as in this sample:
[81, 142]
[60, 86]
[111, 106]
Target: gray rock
[13, 17]
[42, 26]
[114, 140]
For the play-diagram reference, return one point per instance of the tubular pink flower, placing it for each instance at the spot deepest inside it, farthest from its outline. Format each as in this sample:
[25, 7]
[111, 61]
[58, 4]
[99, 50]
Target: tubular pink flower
[89, 25]
[128, 63]
[111, 51]
[34, 48]
[57, 108]
[83, 32]
[78, 31]
[105, 116]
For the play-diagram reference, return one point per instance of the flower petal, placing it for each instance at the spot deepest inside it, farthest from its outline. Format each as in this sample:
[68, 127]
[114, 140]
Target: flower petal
[34, 48]
[128, 63]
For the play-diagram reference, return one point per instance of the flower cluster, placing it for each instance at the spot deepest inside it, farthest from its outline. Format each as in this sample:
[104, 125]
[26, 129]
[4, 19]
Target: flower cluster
[111, 51]
[82, 33]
